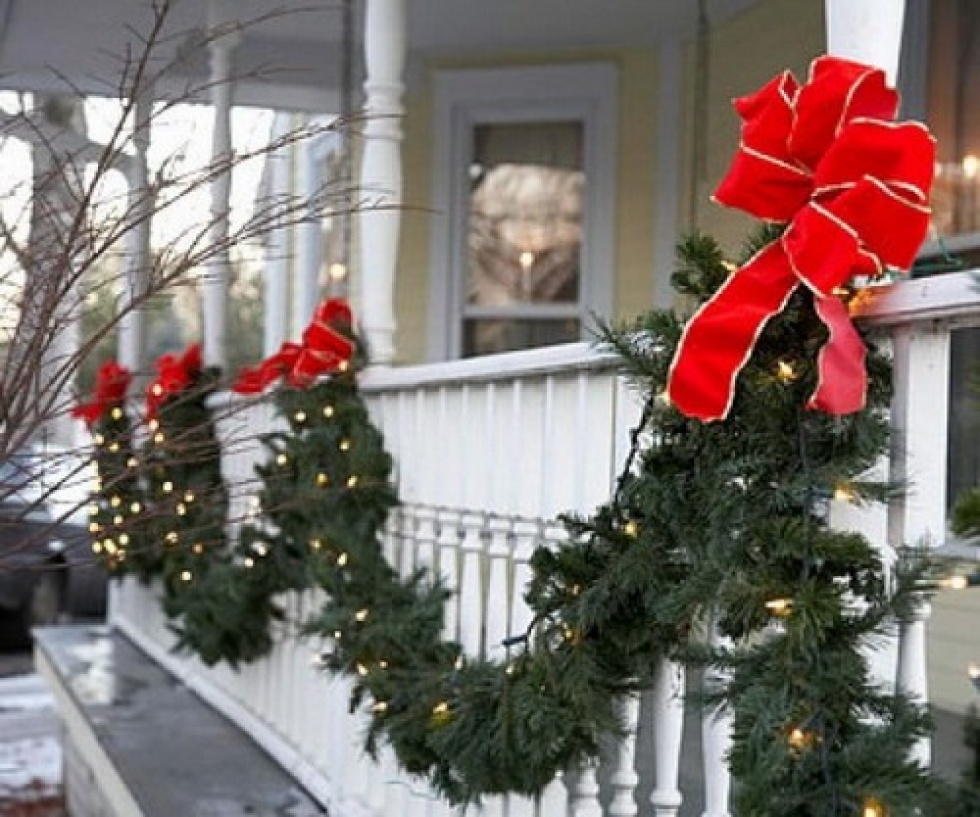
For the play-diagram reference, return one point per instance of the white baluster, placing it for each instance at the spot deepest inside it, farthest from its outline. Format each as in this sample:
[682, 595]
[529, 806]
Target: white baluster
[912, 671]
[449, 567]
[471, 612]
[526, 539]
[716, 740]
[553, 800]
[624, 777]
[389, 538]
[668, 724]
[498, 585]
[869, 31]
[426, 539]
[583, 794]
[381, 171]
[406, 535]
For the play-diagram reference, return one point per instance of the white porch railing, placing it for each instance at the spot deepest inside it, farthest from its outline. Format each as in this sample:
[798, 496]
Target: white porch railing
[488, 452]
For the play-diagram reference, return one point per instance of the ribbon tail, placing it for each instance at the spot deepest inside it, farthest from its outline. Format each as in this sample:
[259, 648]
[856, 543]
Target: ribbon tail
[842, 382]
[718, 339]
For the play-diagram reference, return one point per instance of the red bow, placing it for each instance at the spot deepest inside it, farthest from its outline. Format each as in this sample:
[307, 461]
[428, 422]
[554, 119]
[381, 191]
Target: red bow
[111, 383]
[174, 374]
[853, 186]
[325, 349]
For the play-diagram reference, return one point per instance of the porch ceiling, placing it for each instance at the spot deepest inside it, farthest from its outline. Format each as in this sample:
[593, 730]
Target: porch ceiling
[289, 53]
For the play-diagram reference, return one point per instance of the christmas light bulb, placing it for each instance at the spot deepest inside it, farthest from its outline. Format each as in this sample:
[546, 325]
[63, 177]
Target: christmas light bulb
[167, 487]
[154, 425]
[780, 607]
[282, 459]
[631, 529]
[188, 496]
[300, 416]
[113, 448]
[844, 493]
[260, 549]
[136, 507]
[460, 662]
[117, 520]
[110, 546]
[96, 547]
[362, 670]
[186, 575]
[115, 501]
[116, 413]
[132, 462]
[157, 390]
[158, 438]
[352, 482]
[322, 480]
[172, 537]
[315, 544]
[94, 527]
[872, 807]
[328, 411]
[181, 509]
[99, 439]
[380, 707]
[663, 398]
[198, 548]
[249, 562]
[123, 538]
[342, 560]
[441, 708]
[954, 583]
[362, 614]
[383, 664]
[785, 372]
[93, 510]
[344, 445]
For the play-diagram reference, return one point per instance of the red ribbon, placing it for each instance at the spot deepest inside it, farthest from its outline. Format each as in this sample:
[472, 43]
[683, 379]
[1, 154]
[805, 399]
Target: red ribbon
[111, 384]
[174, 374]
[852, 185]
[325, 349]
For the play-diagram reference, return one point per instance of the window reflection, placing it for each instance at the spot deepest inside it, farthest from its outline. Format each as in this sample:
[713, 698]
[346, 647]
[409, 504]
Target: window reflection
[964, 412]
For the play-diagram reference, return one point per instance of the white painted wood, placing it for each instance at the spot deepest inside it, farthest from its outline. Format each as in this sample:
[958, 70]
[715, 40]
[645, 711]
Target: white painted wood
[670, 116]
[869, 31]
[277, 267]
[381, 172]
[498, 592]
[471, 612]
[583, 791]
[449, 565]
[912, 671]
[214, 282]
[624, 778]
[716, 740]
[132, 326]
[308, 241]
[668, 724]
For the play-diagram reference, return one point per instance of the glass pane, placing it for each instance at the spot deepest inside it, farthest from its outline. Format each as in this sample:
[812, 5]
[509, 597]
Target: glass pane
[525, 216]
[954, 116]
[964, 412]
[485, 336]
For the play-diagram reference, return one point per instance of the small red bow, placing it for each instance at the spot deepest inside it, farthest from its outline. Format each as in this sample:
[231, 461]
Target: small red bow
[852, 185]
[174, 374]
[325, 349]
[111, 383]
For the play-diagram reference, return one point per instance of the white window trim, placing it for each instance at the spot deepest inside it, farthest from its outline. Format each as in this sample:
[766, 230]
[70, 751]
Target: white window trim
[585, 92]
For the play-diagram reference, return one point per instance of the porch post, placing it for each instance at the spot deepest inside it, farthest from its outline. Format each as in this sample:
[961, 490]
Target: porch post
[309, 242]
[869, 31]
[381, 172]
[224, 37]
[132, 326]
[277, 248]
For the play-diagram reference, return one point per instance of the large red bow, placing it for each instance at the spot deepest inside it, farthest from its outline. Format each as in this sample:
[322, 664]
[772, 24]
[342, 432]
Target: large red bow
[326, 349]
[174, 374]
[111, 383]
[852, 185]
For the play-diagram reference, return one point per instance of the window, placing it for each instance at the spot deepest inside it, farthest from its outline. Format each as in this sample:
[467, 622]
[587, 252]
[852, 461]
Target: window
[522, 245]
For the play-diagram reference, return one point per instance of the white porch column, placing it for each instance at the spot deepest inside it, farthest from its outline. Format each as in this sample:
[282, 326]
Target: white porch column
[381, 173]
[277, 248]
[309, 242]
[132, 326]
[868, 31]
[214, 285]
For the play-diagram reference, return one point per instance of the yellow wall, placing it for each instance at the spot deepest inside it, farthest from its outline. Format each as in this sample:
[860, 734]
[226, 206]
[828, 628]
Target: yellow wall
[745, 52]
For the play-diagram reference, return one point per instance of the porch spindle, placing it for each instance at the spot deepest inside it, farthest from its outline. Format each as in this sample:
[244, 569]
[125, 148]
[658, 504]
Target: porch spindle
[624, 777]
[425, 556]
[132, 327]
[526, 535]
[716, 739]
[381, 172]
[471, 622]
[497, 597]
[407, 542]
[583, 793]
[448, 542]
[912, 678]
[668, 720]
[224, 38]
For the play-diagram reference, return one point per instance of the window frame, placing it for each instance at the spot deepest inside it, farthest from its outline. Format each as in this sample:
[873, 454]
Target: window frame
[467, 98]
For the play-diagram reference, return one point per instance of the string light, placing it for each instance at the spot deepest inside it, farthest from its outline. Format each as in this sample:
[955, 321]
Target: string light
[94, 527]
[260, 549]
[249, 562]
[362, 614]
[441, 710]
[116, 413]
[172, 537]
[99, 439]
[873, 807]
[188, 496]
[96, 547]
[785, 372]
[664, 398]
[328, 411]
[186, 575]
[342, 559]
[631, 529]
[93, 510]
[352, 481]
[115, 501]
[282, 459]
[844, 493]
[322, 480]
[132, 462]
[781, 607]
[123, 538]
[113, 447]
[154, 425]
[198, 548]
[300, 416]
[136, 507]
[344, 445]
[167, 487]
[315, 544]
[380, 707]
[362, 670]
[117, 520]
[157, 390]
[158, 437]
[181, 509]
[110, 546]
